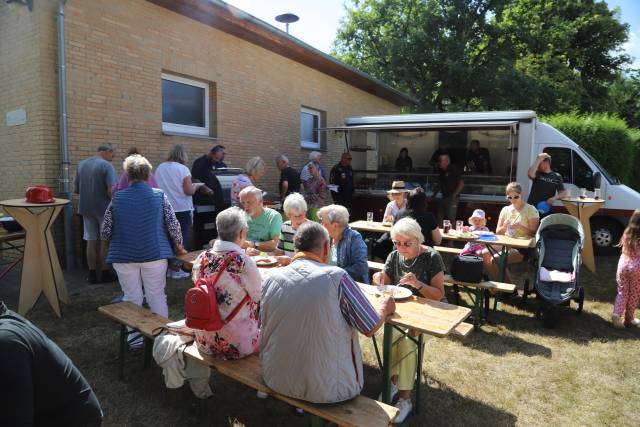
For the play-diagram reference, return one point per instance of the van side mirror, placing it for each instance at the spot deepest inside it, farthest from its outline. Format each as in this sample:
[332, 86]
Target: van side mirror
[597, 180]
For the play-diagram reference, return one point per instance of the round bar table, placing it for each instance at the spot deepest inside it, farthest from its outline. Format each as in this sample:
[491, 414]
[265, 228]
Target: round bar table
[583, 209]
[41, 270]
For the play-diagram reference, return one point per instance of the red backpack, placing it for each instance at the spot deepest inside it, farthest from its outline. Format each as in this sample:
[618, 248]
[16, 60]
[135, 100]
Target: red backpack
[201, 305]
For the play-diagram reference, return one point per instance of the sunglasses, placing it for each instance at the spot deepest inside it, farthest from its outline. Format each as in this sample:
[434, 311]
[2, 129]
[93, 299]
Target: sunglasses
[406, 244]
[513, 197]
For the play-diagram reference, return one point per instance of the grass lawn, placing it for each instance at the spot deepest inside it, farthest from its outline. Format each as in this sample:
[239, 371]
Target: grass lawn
[514, 371]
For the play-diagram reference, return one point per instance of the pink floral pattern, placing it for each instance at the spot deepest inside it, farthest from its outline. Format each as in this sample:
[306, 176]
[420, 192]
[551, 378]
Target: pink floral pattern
[241, 336]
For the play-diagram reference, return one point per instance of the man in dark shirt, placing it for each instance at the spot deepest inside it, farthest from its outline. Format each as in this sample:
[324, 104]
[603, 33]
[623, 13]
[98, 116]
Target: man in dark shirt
[218, 154]
[289, 177]
[208, 202]
[451, 184]
[478, 158]
[342, 176]
[40, 385]
[547, 185]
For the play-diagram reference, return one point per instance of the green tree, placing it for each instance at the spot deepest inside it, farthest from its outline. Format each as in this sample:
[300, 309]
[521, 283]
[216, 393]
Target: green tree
[487, 54]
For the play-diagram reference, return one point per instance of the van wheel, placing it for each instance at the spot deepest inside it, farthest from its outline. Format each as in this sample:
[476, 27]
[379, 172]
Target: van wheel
[605, 234]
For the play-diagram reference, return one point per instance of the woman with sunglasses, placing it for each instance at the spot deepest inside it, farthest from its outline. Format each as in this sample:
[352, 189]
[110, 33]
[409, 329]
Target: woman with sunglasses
[420, 269]
[518, 219]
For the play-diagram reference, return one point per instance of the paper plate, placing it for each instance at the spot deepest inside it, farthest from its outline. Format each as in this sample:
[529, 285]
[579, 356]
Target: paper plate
[397, 292]
[265, 261]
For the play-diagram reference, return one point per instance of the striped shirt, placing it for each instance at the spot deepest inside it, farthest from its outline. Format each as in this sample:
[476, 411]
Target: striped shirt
[285, 243]
[355, 307]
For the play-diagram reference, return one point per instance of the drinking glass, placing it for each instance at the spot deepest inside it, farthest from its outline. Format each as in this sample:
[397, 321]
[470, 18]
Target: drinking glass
[459, 225]
[446, 225]
[596, 193]
[369, 216]
[583, 193]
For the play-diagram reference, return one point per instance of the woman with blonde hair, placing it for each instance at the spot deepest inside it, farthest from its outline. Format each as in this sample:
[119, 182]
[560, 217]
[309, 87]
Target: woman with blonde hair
[253, 171]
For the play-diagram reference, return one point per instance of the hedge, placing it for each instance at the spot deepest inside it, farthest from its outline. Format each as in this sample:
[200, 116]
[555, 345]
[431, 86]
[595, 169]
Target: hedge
[607, 138]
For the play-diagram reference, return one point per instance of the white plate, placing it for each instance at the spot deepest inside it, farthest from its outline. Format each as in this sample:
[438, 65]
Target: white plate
[270, 261]
[483, 233]
[399, 292]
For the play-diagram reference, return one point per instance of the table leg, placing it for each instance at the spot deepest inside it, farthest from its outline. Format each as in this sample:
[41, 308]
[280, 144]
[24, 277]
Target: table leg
[386, 363]
[477, 308]
[59, 282]
[588, 258]
[419, 371]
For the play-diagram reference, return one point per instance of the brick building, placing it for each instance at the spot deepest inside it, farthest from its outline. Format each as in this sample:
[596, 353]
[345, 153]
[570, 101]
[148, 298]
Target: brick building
[130, 63]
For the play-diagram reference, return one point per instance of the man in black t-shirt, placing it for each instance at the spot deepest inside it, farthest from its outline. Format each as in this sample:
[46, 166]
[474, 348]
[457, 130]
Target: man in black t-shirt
[547, 185]
[451, 184]
[342, 176]
[289, 177]
[210, 201]
[39, 384]
[478, 158]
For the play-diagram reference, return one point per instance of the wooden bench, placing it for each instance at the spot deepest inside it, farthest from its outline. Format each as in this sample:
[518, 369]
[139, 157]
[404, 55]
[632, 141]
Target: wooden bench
[479, 292]
[361, 411]
[448, 250]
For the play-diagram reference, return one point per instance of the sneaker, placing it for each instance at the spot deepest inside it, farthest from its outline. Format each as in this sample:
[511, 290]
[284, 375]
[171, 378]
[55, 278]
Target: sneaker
[261, 395]
[92, 279]
[394, 393]
[299, 411]
[135, 341]
[118, 299]
[635, 322]
[108, 276]
[179, 275]
[617, 321]
[405, 406]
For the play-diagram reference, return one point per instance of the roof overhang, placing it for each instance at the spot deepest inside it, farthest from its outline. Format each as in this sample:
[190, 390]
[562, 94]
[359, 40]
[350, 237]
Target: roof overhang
[418, 126]
[231, 20]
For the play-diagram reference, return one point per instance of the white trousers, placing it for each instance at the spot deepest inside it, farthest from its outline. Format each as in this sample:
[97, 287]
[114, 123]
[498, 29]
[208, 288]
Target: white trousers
[144, 279]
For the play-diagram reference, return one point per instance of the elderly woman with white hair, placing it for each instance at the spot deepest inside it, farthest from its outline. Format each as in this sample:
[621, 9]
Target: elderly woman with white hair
[141, 225]
[295, 208]
[348, 249]
[253, 171]
[239, 285]
[420, 269]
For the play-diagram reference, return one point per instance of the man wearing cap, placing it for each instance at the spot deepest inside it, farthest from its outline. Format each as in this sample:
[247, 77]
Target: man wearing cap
[94, 181]
[210, 201]
[451, 184]
[342, 176]
[547, 185]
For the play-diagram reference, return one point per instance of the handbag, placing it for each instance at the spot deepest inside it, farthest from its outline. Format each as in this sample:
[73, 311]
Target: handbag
[467, 268]
[201, 304]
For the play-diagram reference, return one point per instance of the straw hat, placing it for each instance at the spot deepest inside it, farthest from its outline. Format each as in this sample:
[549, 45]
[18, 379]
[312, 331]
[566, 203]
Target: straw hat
[397, 187]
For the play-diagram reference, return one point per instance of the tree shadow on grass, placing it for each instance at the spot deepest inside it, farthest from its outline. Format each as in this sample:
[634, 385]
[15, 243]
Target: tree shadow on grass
[442, 406]
[499, 345]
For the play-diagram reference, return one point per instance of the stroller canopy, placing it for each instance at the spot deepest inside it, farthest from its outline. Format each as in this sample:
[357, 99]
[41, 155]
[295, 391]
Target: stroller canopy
[552, 221]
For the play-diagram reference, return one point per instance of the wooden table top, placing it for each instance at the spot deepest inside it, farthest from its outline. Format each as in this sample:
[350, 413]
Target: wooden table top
[580, 200]
[22, 203]
[503, 240]
[427, 316]
[375, 227]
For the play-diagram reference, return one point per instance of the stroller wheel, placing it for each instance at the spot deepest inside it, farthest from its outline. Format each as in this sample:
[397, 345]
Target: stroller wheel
[580, 300]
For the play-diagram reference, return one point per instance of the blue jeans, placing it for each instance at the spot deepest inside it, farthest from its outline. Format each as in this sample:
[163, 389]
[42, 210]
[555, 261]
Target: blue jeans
[184, 218]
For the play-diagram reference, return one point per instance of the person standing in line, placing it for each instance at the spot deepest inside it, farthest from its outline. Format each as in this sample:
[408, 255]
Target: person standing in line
[174, 178]
[314, 156]
[218, 153]
[342, 176]
[628, 276]
[253, 171]
[209, 201]
[546, 186]
[289, 177]
[315, 189]
[94, 181]
[451, 185]
[123, 182]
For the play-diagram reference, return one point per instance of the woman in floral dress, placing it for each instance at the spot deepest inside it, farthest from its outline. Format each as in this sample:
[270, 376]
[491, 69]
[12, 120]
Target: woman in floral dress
[241, 336]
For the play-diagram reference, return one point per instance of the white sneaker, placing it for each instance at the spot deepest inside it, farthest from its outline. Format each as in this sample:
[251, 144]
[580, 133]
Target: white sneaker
[635, 322]
[394, 392]
[618, 322]
[405, 406]
[179, 275]
[261, 395]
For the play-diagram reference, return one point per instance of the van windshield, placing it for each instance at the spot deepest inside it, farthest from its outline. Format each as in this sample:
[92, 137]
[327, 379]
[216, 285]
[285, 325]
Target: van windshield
[612, 179]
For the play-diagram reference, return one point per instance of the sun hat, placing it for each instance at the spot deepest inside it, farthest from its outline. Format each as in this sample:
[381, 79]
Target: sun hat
[478, 213]
[543, 207]
[397, 187]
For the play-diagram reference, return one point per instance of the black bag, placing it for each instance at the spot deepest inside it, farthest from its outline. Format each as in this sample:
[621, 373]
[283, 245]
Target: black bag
[467, 268]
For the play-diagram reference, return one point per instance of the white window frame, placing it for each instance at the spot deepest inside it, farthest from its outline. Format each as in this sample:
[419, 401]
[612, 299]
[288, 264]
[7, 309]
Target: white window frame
[194, 130]
[312, 144]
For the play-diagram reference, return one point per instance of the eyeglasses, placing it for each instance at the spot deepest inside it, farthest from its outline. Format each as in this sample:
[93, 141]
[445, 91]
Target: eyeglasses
[513, 197]
[406, 244]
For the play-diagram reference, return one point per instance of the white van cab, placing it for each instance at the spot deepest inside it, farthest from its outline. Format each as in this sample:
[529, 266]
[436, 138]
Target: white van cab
[512, 139]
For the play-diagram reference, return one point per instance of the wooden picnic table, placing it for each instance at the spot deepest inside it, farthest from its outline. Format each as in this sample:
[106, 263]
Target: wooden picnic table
[583, 209]
[41, 272]
[371, 226]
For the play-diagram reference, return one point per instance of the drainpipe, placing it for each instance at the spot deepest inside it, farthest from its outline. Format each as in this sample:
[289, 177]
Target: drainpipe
[65, 179]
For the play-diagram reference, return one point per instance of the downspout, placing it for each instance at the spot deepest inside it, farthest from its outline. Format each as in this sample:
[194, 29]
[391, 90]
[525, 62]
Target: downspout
[65, 178]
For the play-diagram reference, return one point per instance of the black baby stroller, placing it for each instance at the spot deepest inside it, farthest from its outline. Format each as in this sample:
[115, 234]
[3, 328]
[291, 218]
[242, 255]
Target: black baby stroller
[559, 240]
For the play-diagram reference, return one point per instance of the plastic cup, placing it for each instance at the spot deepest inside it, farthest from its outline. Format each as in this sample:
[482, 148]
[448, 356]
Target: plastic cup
[446, 225]
[459, 225]
[596, 193]
[369, 216]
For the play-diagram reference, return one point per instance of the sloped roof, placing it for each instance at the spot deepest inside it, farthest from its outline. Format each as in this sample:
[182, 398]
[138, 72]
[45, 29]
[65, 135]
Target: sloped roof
[236, 22]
